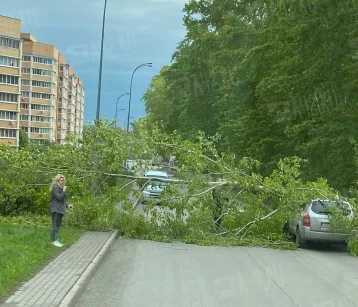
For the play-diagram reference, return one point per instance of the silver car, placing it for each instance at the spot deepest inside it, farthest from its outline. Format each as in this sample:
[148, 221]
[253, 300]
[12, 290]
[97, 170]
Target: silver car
[155, 187]
[313, 223]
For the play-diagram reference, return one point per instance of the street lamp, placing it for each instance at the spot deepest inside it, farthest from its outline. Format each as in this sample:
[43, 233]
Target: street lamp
[116, 117]
[130, 90]
[100, 64]
[126, 121]
[117, 106]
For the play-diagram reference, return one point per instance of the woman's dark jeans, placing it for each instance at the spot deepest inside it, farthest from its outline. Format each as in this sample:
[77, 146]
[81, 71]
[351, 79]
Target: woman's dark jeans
[56, 224]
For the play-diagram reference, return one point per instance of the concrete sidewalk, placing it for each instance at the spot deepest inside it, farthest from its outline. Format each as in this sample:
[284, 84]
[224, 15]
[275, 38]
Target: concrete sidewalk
[63, 280]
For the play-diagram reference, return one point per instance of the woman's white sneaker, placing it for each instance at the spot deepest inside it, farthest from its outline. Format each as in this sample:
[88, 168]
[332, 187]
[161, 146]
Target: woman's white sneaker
[59, 243]
[56, 243]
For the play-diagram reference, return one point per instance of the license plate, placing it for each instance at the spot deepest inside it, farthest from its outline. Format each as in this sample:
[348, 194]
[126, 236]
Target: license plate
[324, 225]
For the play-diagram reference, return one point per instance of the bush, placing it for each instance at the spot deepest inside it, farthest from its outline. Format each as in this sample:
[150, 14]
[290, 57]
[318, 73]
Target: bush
[92, 213]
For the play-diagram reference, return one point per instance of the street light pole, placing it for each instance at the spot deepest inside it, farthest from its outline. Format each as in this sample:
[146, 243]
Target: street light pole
[117, 106]
[126, 120]
[101, 64]
[116, 118]
[130, 90]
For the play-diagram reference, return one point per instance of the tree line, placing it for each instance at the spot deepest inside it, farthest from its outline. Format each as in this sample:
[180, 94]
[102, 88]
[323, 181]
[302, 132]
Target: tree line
[272, 78]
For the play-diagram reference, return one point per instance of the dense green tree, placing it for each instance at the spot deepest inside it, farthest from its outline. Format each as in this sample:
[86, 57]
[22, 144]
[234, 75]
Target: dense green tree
[23, 139]
[274, 78]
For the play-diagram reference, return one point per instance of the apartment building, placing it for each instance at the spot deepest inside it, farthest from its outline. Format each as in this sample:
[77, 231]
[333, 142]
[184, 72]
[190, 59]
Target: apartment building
[72, 84]
[63, 105]
[39, 91]
[71, 103]
[80, 104]
[38, 102]
[10, 80]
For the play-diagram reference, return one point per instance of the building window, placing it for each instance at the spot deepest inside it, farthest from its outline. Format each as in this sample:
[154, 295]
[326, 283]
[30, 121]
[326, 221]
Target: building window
[7, 133]
[25, 82]
[40, 119]
[26, 58]
[24, 105]
[41, 84]
[7, 79]
[42, 60]
[8, 97]
[42, 72]
[26, 129]
[40, 130]
[25, 94]
[9, 42]
[40, 95]
[7, 61]
[25, 70]
[8, 115]
[24, 117]
[40, 107]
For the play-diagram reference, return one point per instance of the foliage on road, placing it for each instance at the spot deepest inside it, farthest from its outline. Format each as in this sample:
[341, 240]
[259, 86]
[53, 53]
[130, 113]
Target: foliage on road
[274, 78]
[253, 211]
[24, 247]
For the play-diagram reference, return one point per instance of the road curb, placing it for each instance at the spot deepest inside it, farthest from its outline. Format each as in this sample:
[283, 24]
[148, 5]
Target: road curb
[72, 297]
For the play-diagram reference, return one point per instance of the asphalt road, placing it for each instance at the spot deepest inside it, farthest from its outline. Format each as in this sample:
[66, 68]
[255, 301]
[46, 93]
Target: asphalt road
[144, 273]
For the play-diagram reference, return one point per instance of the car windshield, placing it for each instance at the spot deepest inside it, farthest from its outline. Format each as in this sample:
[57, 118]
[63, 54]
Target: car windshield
[156, 175]
[322, 207]
[156, 183]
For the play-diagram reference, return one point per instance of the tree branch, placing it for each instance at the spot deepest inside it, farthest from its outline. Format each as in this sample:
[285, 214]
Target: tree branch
[258, 217]
[223, 214]
[191, 151]
[313, 189]
[257, 220]
[193, 195]
[121, 188]
[161, 179]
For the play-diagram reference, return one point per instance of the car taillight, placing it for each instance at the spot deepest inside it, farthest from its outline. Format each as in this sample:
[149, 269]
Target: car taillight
[307, 220]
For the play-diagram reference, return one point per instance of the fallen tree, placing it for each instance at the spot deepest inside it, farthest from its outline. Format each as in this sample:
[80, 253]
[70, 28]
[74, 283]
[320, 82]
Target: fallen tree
[254, 208]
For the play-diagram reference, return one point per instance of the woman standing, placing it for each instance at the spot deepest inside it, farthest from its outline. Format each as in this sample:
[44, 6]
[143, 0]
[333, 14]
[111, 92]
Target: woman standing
[58, 205]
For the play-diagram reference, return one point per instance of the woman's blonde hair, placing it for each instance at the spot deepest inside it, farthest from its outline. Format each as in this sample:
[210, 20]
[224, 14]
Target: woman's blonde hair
[57, 178]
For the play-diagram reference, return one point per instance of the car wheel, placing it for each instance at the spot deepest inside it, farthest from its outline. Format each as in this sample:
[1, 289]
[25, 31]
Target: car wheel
[300, 243]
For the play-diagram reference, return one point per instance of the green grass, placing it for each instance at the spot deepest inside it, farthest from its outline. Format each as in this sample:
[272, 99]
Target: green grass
[25, 247]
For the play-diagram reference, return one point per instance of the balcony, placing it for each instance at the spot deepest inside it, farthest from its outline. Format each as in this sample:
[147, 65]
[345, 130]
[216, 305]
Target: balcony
[24, 123]
[40, 125]
[41, 113]
[41, 101]
[11, 52]
[8, 123]
[62, 116]
[42, 78]
[10, 70]
[40, 89]
[8, 141]
[42, 66]
[7, 88]
[39, 136]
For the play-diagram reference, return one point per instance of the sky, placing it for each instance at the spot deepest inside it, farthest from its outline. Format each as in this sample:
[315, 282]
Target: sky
[136, 32]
